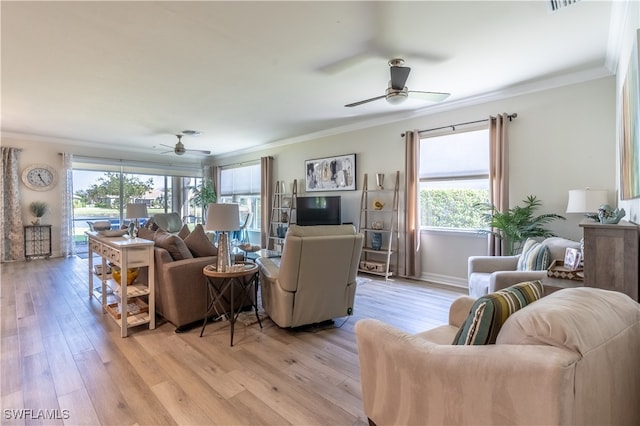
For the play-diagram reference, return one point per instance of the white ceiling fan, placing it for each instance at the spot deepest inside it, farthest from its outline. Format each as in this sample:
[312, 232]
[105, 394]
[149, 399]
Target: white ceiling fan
[397, 92]
[179, 148]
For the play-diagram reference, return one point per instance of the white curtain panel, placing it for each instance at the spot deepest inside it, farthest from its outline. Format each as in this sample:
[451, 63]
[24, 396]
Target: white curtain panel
[67, 244]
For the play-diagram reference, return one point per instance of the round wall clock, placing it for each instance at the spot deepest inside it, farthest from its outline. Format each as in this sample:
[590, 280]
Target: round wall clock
[39, 177]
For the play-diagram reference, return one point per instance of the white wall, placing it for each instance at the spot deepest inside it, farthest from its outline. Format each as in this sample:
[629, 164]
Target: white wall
[563, 139]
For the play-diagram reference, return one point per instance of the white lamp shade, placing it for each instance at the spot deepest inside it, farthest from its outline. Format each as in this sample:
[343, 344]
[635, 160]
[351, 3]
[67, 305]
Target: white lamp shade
[222, 217]
[586, 200]
[136, 211]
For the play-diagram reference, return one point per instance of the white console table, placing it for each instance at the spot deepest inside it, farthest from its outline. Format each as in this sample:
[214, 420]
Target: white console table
[126, 253]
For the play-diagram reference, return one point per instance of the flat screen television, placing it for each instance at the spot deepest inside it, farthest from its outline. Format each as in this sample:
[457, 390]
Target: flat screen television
[322, 210]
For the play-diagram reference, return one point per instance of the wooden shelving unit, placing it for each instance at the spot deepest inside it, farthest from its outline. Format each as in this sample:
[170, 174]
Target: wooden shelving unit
[379, 224]
[282, 214]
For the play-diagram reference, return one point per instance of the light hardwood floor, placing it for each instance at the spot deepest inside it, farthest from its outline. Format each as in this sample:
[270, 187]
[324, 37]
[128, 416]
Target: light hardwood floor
[62, 354]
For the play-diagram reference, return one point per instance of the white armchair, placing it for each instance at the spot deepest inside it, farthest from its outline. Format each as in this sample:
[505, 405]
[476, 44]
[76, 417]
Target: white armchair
[315, 279]
[487, 274]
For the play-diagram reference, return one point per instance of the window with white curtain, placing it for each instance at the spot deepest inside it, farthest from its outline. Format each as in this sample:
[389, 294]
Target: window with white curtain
[454, 176]
[241, 184]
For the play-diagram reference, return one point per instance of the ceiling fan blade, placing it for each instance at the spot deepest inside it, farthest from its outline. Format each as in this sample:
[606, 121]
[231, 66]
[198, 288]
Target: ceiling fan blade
[399, 77]
[429, 96]
[168, 146]
[201, 151]
[365, 101]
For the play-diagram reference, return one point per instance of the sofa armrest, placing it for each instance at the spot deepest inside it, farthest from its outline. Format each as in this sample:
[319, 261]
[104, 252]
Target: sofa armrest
[489, 264]
[407, 380]
[459, 310]
[503, 279]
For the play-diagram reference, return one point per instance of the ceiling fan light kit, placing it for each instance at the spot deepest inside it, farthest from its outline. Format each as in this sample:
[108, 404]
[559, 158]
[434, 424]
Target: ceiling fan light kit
[397, 92]
[395, 97]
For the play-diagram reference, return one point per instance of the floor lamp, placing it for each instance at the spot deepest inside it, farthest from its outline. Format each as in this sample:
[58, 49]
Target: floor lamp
[223, 218]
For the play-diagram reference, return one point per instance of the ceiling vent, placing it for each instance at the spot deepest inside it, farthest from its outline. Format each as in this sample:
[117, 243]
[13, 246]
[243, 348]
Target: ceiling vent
[555, 5]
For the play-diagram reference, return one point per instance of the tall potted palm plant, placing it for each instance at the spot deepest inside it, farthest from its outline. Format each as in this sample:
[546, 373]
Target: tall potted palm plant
[203, 194]
[516, 224]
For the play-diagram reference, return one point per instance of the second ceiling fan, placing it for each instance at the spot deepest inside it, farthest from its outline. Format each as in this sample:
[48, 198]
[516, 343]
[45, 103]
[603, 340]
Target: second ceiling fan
[179, 148]
[397, 92]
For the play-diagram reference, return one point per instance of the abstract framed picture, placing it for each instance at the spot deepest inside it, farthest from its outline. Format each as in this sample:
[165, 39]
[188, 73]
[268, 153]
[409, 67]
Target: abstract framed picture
[630, 128]
[331, 173]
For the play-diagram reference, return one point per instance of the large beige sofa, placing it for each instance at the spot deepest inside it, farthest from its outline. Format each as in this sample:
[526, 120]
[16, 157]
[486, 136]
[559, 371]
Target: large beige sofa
[570, 358]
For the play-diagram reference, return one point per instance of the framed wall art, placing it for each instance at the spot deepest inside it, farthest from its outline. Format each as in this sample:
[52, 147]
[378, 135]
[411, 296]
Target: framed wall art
[630, 128]
[331, 173]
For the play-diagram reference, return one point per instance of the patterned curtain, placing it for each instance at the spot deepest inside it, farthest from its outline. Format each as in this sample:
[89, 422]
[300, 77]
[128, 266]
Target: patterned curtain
[67, 246]
[498, 173]
[11, 214]
[412, 255]
[266, 198]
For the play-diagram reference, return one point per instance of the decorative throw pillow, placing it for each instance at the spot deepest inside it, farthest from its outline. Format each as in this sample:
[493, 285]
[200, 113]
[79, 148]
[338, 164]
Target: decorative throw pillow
[535, 256]
[173, 244]
[199, 244]
[184, 231]
[490, 312]
[151, 225]
[147, 234]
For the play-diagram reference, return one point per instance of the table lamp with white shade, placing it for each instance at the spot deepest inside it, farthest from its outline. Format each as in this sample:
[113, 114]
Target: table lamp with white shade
[135, 211]
[223, 218]
[586, 201]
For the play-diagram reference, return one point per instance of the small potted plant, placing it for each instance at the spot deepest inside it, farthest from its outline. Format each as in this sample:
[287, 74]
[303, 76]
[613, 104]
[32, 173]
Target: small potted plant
[38, 209]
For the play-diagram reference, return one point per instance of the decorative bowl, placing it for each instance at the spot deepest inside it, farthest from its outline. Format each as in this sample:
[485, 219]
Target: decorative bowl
[113, 232]
[132, 274]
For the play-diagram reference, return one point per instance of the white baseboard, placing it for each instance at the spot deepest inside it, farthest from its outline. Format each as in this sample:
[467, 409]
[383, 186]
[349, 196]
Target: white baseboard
[460, 283]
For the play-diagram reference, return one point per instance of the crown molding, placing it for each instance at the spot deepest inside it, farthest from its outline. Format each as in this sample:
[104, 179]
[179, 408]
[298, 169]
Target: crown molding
[516, 90]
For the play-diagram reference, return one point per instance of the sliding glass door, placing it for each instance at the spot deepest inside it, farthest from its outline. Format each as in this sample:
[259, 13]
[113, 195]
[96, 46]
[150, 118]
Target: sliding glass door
[101, 192]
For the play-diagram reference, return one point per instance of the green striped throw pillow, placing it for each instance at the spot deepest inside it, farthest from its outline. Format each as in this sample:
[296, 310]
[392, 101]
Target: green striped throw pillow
[489, 312]
[535, 256]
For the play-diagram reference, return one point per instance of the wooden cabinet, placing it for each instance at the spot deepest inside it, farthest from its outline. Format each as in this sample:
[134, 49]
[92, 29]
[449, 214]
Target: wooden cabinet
[379, 224]
[611, 256]
[129, 305]
[37, 241]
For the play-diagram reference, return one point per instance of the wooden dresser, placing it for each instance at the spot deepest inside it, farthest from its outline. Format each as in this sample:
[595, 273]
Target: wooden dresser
[611, 256]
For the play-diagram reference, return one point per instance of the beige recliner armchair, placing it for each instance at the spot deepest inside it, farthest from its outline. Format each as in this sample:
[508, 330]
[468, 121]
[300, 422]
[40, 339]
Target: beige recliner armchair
[315, 279]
